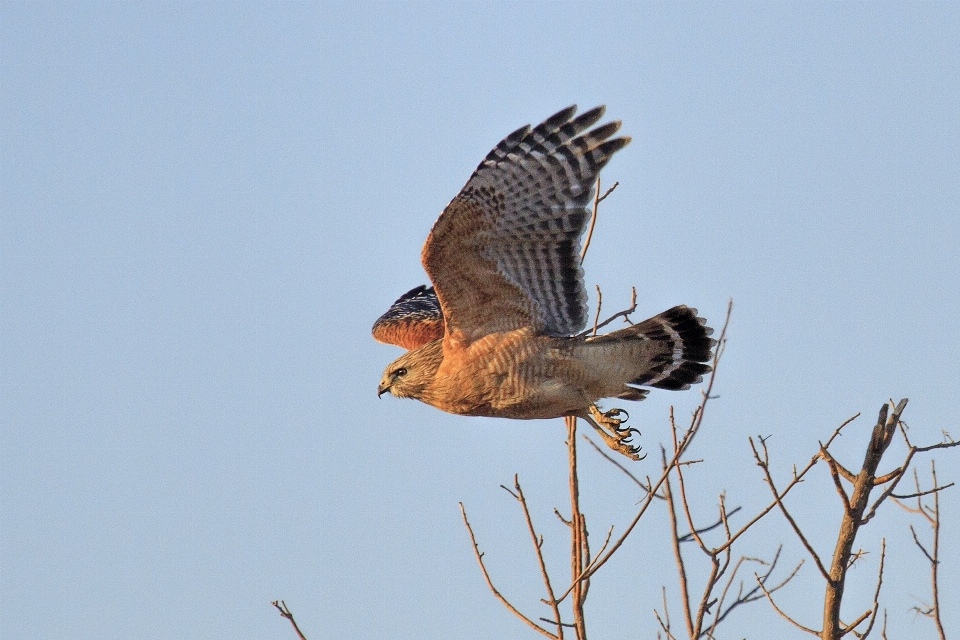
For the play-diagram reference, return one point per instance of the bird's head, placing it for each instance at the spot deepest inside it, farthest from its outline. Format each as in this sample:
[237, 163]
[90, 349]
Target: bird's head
[409, 375]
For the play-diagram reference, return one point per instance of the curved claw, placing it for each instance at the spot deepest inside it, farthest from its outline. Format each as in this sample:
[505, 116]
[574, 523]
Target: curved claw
[623, 446]
[626, 434]
[607, 424]
[614, 414]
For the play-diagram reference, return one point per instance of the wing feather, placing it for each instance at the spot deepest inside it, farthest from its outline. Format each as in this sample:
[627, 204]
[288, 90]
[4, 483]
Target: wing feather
[412, 321]
[504, 253]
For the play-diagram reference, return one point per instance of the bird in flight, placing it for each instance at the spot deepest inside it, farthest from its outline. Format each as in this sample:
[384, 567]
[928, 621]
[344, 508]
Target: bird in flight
[500, 331]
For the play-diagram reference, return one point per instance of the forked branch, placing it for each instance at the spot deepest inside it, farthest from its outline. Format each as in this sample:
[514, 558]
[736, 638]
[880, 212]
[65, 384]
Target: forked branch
[285, 612]
[486, 576]
[537, 547]
[597, 199]
[625, 314]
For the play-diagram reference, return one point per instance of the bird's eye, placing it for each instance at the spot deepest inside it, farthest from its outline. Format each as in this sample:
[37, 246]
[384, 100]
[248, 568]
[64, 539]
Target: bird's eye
[402, 371]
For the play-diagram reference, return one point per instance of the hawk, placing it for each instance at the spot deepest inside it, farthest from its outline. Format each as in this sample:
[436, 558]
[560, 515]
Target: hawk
[499, 332]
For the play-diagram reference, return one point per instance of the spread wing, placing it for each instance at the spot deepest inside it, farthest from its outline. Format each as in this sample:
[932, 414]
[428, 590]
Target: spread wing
[412, 321]
[504, 254]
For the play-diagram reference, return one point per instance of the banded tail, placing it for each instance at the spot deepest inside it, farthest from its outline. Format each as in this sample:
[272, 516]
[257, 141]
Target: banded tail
[668, 351]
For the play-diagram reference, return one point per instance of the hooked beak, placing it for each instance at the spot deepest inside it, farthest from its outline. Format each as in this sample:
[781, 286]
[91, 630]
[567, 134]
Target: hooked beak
[382, 389]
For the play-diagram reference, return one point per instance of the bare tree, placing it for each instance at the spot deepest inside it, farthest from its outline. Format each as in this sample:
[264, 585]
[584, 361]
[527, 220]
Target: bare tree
[857, 512]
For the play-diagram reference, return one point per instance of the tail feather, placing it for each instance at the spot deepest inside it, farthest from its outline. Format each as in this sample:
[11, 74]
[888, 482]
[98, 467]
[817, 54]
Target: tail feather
[673, 351]
[632, 393]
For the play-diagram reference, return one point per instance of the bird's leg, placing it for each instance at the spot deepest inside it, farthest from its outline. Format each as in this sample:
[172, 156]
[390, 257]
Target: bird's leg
[608, 424]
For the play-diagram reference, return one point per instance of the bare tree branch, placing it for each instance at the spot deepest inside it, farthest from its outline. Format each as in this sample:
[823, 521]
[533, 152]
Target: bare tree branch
[617, 464]
[797, 478]
[876, 596]
[597, 199]
[625, 314]
[664, 626]
[537, 547]
[921, 493]
[682, 445]
[751, 595]
[932, 515]
[852, 518]
[486, 576]
[778, 499]
[780, 611]
[677, 555]
[285, 612]
[688, 537]
[579, 552]
[898, 474]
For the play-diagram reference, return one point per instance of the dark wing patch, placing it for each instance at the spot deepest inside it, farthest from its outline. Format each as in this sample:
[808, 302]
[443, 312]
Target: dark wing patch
[412, 321]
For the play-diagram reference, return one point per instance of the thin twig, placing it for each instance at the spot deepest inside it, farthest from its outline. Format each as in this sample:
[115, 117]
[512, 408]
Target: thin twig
[665, 622]
[597, 199]
[920, 545]
[778, 499]
[537, 544]
[606, 541]
[921, 493]
[780, 611]
[939, 445]
[705, 393]
[625, 314]
[687, 537]
[752, 594]
[486, 576]
[932, 516]
[616, 463]
[876, 594]
[285, 612]
[935, 524]
[596, 317]
[790, 576]
[675, 546]
[694, 624]
[683, 496]
[607, 192]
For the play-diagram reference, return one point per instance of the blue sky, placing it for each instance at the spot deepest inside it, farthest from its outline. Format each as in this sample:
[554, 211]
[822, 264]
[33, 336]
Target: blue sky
[205, 206]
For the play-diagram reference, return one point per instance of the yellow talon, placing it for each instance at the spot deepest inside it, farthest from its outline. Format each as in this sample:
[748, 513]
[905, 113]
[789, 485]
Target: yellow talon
[607, 425]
